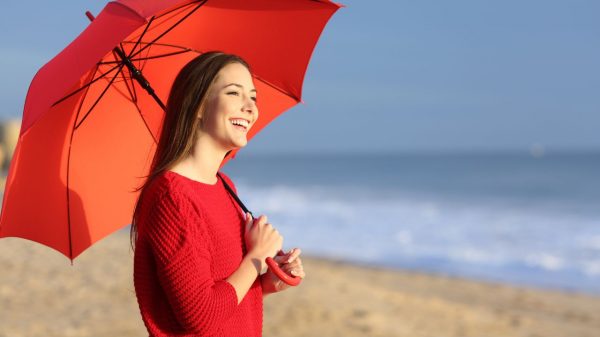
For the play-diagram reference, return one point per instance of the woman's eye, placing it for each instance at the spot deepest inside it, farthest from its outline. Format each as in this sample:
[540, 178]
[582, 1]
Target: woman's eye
[233, 93]
[253, 98]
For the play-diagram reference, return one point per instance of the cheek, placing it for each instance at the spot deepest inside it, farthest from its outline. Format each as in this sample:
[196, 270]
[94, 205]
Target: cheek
[224, 108]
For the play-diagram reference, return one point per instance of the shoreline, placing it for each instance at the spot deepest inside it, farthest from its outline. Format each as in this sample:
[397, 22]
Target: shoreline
[43, 295]
[391, 267]
[388, 302]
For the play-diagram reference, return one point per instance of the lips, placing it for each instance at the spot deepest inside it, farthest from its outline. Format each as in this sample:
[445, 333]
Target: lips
[240, 123]
[241, 128]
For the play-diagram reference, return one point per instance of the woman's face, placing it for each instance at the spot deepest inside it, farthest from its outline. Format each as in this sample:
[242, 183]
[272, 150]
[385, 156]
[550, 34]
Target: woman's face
[231, 107]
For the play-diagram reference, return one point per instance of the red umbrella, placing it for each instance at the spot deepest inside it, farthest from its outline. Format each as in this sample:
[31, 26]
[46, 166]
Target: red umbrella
[92, 114]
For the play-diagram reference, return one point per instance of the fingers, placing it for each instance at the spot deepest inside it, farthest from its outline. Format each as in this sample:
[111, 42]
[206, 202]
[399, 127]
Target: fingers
[288, 257]
[295, 268]
[280, 259]
[293, 254]
[291, 263]
[261, 220]
[262, 239]
[271, 236]
[274, 234]
[249, 221]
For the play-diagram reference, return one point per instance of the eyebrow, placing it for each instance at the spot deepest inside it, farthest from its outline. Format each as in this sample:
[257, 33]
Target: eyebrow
[238, 85]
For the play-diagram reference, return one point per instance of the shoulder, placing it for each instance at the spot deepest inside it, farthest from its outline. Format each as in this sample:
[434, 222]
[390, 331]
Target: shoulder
[166, 209]
[166, 190]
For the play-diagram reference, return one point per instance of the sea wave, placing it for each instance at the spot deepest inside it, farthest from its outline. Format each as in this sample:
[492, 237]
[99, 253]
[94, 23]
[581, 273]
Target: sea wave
[488, 238]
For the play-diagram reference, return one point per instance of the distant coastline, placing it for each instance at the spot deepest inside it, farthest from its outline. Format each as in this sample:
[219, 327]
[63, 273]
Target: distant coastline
[9, 135]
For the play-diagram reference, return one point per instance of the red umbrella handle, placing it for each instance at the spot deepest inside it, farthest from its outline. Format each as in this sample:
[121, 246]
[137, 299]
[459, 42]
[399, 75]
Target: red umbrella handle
[291, 280]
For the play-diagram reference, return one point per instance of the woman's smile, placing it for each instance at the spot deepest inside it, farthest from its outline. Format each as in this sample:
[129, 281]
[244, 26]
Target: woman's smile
[240, 124]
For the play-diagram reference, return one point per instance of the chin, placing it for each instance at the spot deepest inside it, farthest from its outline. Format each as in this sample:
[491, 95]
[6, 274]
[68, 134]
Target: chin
[239, 145]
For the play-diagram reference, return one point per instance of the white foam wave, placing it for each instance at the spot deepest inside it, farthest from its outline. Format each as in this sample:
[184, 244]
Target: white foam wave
[359, 225]
[546, 261]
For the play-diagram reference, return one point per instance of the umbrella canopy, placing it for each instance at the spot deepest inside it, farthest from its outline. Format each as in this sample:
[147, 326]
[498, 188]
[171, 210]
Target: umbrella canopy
[90, 129]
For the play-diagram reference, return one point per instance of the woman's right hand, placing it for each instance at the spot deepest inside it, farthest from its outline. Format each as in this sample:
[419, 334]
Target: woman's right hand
[262, 239]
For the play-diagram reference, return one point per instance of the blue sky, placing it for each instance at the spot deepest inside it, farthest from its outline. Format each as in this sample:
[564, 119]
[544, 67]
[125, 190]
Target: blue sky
[398, 76]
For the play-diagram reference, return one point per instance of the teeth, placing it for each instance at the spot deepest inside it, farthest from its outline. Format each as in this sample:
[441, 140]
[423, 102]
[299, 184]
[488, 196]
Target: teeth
[240, 122]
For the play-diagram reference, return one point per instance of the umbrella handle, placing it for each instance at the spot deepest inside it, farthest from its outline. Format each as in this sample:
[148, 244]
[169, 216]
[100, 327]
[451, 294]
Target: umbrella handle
[291, 280]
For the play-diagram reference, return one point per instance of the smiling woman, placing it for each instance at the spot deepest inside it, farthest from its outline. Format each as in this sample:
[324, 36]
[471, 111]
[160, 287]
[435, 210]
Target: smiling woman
[198, 259]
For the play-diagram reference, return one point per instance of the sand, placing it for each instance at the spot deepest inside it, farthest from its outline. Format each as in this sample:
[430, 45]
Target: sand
[41, 294]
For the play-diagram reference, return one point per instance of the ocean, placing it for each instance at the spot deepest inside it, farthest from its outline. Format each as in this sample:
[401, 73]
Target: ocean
[512, 218]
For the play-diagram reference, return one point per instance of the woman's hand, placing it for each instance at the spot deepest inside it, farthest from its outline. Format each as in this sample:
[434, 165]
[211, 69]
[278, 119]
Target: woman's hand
[289, 263]
[262, 240]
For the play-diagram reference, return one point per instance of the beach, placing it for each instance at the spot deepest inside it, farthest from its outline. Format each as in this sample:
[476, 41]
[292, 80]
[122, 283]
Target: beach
[41, 294]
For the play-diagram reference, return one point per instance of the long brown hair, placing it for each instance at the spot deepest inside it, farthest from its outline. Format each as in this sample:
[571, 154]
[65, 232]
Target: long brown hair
[186, 100]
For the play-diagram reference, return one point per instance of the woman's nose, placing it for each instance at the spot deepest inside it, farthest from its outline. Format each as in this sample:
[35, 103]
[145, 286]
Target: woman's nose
[249, 105]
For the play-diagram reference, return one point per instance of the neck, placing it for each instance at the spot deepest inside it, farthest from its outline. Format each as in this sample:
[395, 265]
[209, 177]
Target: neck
[203, 163]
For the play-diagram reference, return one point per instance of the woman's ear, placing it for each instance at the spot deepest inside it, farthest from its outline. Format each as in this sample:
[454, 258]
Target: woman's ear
[199, 120]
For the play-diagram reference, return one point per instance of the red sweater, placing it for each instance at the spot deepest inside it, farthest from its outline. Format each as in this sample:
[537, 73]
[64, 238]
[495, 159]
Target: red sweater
[190, 239]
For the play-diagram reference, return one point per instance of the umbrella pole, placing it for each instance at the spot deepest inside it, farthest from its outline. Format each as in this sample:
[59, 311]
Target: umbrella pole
[135, 72]
[137, 75]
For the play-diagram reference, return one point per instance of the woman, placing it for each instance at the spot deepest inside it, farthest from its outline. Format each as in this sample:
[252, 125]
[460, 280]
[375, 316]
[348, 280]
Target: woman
[198, 258]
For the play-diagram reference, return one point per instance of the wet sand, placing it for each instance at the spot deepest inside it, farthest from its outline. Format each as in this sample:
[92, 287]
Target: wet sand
[41, 294]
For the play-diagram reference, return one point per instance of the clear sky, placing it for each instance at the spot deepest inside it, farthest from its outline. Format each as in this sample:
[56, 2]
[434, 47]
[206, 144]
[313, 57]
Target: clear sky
[398, 76]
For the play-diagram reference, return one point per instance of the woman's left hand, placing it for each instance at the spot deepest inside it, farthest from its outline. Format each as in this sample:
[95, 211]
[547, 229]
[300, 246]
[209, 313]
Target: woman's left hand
[289, 263]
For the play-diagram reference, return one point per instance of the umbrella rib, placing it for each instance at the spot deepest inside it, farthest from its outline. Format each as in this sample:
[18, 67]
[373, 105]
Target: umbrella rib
[200, 4]
[162, 55]
[145, 123]
[98, 99]
[85, 94]
[277, 88]
[176, 9]
[152, 57]
[167, 13]
[87, 84]
[140, 38]
[141, 64]
[160, 44]
[68, 168]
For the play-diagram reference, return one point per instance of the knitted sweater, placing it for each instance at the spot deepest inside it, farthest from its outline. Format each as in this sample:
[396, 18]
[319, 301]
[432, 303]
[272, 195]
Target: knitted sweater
[190, 239]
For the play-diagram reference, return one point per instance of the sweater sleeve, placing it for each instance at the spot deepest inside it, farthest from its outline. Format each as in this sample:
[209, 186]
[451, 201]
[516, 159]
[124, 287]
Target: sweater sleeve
[183, 260]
